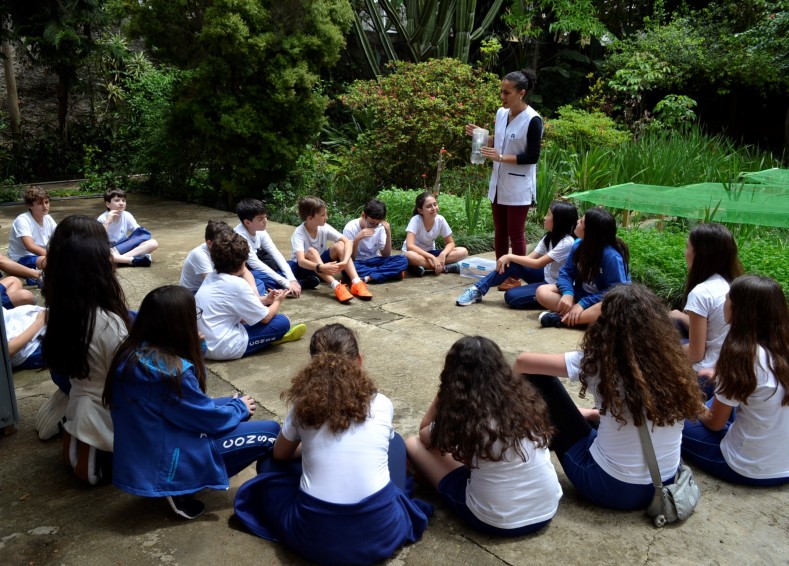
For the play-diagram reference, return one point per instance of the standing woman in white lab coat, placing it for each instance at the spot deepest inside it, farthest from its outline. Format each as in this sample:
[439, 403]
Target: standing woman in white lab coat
[515, 151]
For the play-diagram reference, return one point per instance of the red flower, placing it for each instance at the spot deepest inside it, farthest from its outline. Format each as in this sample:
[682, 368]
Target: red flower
[424, 175]
[443, 151]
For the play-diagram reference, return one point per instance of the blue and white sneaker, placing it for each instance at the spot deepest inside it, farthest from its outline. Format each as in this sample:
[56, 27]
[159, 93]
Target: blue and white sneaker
[469, 297]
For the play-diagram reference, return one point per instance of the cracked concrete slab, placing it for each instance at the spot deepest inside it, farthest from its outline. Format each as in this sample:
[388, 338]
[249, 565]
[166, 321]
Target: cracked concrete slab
[48, 517]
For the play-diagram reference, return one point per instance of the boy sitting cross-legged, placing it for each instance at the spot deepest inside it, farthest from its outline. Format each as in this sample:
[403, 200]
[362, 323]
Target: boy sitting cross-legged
[31, 231]
[267, 265]
[372, 245]
[313, 256]
[131, 243]
[234, 321]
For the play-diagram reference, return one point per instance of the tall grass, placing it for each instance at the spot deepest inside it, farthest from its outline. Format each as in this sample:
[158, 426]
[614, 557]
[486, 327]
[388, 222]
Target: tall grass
[656, 158]
[682, 158]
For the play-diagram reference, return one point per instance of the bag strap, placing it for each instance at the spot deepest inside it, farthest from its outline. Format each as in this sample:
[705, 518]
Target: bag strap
[649, 453]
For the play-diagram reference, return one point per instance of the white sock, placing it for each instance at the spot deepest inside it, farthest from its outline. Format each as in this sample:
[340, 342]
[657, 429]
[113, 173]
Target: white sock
[355, 280]
[334, 284]
[367, 279]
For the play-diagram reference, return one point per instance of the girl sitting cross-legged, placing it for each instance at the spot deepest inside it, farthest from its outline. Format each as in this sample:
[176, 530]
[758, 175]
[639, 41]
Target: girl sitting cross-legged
[744, 436]
[541, 266]
[637, 372]
[483, 444]
[171, 439]
[335, 491]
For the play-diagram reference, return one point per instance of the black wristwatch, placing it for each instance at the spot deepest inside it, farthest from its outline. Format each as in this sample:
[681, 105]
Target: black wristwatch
[317, 268]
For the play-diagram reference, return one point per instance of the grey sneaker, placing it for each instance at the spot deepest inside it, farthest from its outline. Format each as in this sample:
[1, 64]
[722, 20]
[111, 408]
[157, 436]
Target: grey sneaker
[550, 319]
[452, 268]
[469, 297]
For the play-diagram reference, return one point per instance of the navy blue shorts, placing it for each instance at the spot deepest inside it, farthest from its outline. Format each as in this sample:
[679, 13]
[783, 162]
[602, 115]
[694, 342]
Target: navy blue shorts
[6, 301]
[28, 261]
[452, 489]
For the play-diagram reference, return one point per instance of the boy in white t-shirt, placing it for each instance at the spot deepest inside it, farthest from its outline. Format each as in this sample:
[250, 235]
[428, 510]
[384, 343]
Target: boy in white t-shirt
[131, 243]
[198, 264]
[234, 321]
[372, 245]
[31, 231]
[25, 327]
[313, 256]
[268, 266]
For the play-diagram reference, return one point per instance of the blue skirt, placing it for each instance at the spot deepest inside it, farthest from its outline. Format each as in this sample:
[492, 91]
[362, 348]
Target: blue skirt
[272, 506]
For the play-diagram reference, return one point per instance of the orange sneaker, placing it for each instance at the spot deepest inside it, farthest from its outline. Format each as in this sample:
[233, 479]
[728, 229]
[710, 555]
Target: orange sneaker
[342, 293]
[510, 283]
[360, 290]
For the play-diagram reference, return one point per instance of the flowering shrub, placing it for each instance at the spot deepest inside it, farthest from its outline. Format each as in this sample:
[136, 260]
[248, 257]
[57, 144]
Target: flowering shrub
[410, 114]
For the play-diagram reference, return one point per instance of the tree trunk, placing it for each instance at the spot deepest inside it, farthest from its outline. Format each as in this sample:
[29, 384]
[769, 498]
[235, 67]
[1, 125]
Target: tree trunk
[786, 135]
[10, 83]
[63, 92]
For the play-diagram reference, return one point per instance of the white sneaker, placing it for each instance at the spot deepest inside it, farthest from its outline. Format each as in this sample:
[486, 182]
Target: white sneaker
[51, 415]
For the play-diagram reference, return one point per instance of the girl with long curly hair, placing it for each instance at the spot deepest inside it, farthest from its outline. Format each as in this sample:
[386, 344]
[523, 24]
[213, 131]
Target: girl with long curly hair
[483, 443]
[87, 319]
[344, 501]
[743, 437]
[637, 372]
[171, 439]
[598, 261]
[711, 255]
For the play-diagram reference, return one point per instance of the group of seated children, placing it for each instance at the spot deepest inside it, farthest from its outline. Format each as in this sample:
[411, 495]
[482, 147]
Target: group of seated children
[483, 443]
[28, 244]
[362, 254]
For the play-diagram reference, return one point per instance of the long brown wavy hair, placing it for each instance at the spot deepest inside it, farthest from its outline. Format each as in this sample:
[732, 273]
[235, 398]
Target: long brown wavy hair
[634, 350]
[759, 317]
[480, 402]
[333, 388]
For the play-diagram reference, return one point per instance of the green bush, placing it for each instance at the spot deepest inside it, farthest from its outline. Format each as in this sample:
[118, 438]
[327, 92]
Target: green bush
[582, 130]
[410, 114]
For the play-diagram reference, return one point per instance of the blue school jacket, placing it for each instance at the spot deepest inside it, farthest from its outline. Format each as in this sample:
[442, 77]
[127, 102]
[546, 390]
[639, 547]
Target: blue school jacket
[613, 271]
[163, 444]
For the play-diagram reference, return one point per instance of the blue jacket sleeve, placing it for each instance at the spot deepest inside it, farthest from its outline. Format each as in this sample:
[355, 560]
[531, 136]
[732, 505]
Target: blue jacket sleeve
[568, 272]
[197, 412]
[613, 272]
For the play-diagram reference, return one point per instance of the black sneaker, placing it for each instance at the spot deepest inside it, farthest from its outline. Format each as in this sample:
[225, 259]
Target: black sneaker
[186, 506]
[416, 270]
[452, 268]
[550, 319]
[141, 261]
[309, 282]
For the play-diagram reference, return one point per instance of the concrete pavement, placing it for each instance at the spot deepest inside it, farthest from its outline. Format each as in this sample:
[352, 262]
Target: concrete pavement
[48, 517]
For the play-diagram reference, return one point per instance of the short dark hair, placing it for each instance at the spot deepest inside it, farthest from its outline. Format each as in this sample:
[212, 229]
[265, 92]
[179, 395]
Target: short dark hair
[229, 252]
[249, 208]
[112, 193]
[214, 228]
[310, 206]
[33, 194]
[375, 209]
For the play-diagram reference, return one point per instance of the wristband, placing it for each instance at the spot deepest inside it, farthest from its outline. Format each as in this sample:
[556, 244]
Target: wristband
[317, 268]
